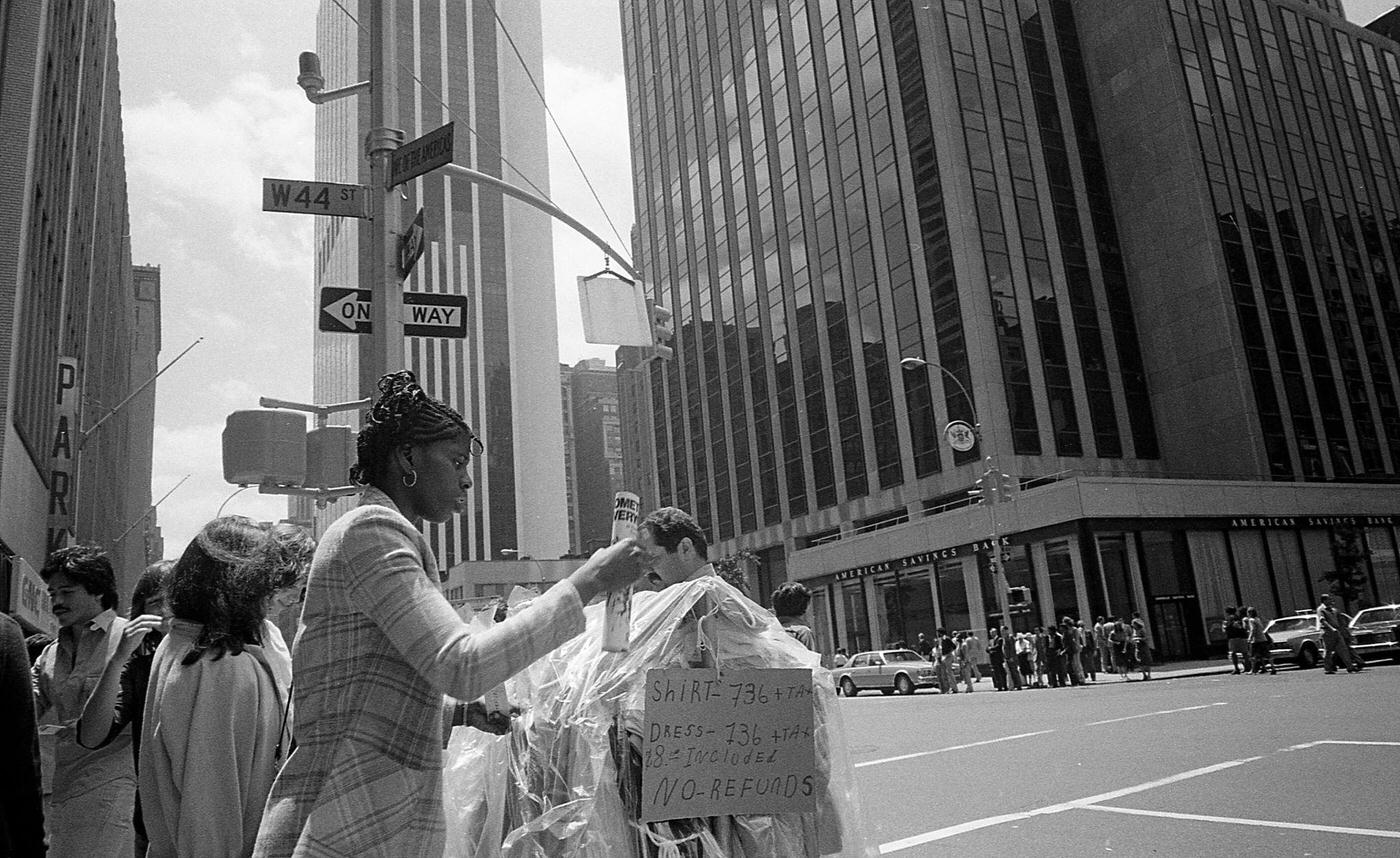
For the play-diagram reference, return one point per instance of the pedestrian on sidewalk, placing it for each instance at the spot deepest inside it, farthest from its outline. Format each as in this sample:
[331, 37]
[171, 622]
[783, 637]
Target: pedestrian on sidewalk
[1101, 630]
[998, 659]
[964, 655]
[1237, 640]
[1336, 638]
[1014, 675]
[92, 791]
[1089, 656]
[1073, 645]
[945, 649]
[212, 733]
[1025, 659]
[1259, 643]
[1120, 642]
[1142, 648]
[978, 654]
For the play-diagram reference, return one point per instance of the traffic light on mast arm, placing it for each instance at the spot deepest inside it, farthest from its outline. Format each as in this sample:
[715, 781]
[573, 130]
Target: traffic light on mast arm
[661, 330]
[993, 487]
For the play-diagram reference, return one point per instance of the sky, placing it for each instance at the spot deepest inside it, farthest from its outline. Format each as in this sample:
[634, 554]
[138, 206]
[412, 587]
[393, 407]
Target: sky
[210, 107]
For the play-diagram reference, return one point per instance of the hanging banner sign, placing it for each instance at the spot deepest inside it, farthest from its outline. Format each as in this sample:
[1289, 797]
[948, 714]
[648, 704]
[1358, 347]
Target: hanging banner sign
[737, 742]
[62, 473]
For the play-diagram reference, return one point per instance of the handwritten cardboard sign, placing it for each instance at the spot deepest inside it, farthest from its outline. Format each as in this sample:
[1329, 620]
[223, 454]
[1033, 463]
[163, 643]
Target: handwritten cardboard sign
[733, 743]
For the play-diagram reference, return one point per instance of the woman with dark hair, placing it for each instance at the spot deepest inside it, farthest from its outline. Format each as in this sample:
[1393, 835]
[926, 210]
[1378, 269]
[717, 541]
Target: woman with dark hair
[790, 603]
[93, 789]
[286, 557]
[212, 734]
[120, 696]
[380, 645]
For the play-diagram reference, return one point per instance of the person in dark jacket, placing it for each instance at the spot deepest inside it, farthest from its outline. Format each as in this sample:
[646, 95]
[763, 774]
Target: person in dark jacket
[22, 817]
[120, 696]
[998, 659]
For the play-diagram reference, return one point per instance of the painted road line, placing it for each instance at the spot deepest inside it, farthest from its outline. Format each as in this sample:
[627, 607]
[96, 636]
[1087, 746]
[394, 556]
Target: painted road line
[988, 822]
[1320, 742]
[950, 748]
[1150, 714]
[1265, 823]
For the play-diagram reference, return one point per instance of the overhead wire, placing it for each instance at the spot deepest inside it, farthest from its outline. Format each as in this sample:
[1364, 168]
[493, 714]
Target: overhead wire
[448, 109]
[550, 114]
[480, 139]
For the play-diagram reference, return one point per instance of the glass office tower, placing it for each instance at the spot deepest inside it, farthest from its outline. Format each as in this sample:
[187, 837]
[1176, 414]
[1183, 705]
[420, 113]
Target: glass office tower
[1151, 247]
[455, 64]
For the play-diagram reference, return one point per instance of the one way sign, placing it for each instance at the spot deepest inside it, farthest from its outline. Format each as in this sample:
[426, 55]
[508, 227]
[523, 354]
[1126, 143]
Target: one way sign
[425, 314]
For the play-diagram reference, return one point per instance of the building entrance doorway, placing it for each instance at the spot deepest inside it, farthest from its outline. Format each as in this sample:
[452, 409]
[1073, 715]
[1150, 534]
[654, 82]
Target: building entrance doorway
[1175, 629]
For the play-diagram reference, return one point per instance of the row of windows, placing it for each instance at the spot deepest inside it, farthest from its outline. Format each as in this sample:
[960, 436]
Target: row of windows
[771, 181]
[1308, 225]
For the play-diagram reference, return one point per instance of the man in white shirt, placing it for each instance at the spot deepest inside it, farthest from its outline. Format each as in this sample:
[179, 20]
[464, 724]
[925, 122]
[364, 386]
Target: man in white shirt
[674, 547]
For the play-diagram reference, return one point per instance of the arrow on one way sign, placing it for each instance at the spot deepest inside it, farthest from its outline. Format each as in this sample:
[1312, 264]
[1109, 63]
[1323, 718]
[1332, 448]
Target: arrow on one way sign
[425, 314]
[344, 311]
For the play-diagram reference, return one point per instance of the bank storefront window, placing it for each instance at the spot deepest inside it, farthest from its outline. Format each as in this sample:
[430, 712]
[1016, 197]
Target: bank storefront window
[857, 617]
[1063, 594]
[1016, 564]
[823, 622]
[1117, 581]
[952, 595]
[905, 607]
[1252, 571]
[1380, 543]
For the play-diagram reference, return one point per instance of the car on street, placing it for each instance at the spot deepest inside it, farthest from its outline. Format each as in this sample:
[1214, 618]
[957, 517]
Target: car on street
[1375, 632]
[1296, 638]
[887, 671]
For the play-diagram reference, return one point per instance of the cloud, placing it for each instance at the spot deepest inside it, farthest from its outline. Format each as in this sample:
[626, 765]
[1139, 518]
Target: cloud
[590, 106]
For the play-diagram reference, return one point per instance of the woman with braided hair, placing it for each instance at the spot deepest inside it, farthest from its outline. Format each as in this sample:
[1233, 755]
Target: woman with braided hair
[380, 646]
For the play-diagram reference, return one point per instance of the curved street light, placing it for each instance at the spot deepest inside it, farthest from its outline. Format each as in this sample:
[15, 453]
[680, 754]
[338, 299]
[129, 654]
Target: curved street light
[990, 485]
[912, 363]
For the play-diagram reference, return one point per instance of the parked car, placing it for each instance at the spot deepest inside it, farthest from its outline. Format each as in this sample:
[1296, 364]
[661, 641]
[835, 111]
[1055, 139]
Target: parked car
[1296, 638]
[1375, 632]
[886, 670]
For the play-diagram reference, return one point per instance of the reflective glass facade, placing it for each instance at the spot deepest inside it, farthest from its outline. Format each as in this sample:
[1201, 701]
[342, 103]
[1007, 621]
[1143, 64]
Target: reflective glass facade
[1295, 116]
[824, 188]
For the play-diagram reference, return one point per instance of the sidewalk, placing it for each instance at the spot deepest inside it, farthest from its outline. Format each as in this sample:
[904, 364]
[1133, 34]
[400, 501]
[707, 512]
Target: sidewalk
[1182, 669]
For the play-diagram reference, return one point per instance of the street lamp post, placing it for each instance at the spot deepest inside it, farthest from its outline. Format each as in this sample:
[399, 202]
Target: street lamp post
[991, 486]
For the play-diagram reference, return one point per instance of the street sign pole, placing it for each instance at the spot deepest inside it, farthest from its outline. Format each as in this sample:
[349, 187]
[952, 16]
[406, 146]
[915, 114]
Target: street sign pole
[379, 270]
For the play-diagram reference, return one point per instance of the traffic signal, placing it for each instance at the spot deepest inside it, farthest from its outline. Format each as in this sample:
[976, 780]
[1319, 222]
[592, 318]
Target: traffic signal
[1006, 485]
[988, 487]
[661, 330]
[1018, 595]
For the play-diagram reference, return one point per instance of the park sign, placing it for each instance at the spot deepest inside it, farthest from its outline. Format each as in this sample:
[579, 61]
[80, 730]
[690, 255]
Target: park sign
[323, 198]
[425, 314]
[417, 157]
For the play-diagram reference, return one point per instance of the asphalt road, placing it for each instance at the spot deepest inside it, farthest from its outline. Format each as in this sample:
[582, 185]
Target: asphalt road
[1298, 764]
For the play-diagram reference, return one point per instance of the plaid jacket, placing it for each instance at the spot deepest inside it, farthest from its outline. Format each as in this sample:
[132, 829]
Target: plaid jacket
[378, 649]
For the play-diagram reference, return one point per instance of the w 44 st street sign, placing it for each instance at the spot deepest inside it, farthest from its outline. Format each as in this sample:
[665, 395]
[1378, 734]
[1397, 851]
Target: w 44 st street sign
[324, 198]
[425, 314]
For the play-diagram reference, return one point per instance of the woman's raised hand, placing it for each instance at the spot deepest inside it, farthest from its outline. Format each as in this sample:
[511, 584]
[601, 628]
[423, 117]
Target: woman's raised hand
[612, 568]
[136, 630]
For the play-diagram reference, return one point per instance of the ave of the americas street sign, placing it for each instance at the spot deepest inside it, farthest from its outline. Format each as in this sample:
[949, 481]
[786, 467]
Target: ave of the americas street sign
[417, 157]
[425, 314]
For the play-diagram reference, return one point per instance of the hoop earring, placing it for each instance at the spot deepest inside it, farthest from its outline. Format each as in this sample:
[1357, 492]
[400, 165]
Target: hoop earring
[407, 482]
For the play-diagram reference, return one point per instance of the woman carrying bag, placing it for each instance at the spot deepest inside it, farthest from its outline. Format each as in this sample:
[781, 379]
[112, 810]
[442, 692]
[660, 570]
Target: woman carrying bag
[380, 645]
